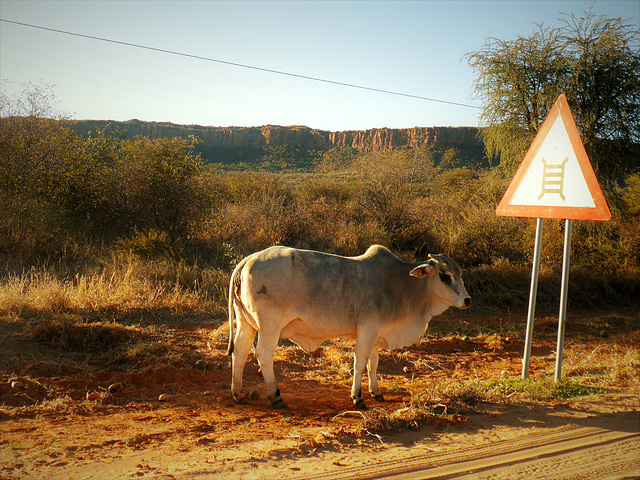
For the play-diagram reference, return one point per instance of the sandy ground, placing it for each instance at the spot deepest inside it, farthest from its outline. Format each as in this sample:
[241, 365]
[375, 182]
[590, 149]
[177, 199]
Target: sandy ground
[49, 429]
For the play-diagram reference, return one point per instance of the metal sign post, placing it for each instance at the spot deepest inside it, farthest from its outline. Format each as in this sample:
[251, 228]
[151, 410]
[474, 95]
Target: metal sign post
[532, 299]
[564, 293]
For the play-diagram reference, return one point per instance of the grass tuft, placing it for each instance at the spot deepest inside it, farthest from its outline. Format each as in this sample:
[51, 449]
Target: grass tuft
[123, 283]
[73, 335]
[454, 399]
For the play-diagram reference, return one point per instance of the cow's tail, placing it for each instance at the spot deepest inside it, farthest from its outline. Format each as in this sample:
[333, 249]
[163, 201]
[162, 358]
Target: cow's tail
[234, 294]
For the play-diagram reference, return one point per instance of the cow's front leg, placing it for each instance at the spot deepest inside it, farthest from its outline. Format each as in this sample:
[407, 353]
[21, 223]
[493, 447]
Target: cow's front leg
[363, 348]
[265, 350]
[372, 369]
[242, 346]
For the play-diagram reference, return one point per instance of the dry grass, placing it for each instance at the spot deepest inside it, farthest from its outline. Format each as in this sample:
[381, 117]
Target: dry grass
[605, 365]
[113, 317]
[73, 335]
[65, 343]
[122, 285]
[607, 368]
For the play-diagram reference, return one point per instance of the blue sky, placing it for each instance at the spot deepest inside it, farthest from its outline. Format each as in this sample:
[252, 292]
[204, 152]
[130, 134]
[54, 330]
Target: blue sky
[414, 47]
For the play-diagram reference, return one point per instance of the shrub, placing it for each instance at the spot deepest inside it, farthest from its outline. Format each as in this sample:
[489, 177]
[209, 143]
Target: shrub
[65, 198]
[157, 184]
[41, 164]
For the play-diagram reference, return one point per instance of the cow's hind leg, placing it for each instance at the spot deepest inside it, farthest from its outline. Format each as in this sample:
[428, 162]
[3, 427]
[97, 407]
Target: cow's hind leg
[242, 346]
[364, 346]
[372, 369]
[265, 350]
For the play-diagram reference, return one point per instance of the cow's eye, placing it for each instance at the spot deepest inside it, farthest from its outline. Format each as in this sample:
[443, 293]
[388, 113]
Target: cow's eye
[445, 278]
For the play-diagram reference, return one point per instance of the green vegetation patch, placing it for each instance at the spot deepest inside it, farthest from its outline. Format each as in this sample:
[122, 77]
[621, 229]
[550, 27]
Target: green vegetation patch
[450, 400]
[543, 390]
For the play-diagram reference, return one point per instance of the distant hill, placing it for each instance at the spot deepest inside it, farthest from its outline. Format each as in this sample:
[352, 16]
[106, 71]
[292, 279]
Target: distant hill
[249, 145]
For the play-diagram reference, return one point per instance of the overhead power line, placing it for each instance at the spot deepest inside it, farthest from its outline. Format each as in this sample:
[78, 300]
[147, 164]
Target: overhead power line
[242, 65]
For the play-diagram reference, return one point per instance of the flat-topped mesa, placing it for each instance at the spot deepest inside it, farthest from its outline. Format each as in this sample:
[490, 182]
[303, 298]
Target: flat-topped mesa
[374, 139]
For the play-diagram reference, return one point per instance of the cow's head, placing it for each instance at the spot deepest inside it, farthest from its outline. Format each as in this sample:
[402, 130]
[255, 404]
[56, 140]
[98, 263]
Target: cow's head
[445, 278]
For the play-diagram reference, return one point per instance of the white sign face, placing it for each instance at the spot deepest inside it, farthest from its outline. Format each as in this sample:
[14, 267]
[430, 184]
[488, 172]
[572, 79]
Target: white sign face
[554, 177]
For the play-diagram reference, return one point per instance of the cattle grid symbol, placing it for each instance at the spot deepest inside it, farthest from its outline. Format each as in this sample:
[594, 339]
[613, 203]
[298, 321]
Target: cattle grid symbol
[553, 178]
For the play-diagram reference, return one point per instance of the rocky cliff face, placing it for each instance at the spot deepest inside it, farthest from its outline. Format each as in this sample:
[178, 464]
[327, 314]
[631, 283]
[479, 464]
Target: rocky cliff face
[389, 138]
[376, 139]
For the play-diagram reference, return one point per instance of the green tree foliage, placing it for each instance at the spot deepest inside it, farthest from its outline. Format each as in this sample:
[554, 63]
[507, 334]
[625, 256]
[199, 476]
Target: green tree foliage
[158, 185]
[55, 185]
[41, 162]
[61, 194]
[337, 159]
[594, 60]
[287, 157]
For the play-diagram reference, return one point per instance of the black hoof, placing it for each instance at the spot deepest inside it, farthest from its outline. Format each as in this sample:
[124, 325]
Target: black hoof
[279, 404]
[378, 398]
[240, 400]
[276, 400]
[359, 404]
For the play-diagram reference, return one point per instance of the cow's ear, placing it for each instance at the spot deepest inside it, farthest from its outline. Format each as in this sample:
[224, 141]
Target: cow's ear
[422, 270]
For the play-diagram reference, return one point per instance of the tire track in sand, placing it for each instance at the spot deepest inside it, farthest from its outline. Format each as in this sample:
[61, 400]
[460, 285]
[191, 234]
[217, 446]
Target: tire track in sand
[568, 452]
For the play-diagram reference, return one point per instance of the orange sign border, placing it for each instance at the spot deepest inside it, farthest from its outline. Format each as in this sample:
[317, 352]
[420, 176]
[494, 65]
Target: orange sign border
[601, 210]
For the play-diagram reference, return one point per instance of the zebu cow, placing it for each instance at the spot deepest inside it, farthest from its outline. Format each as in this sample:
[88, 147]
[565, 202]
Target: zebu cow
[310, 297]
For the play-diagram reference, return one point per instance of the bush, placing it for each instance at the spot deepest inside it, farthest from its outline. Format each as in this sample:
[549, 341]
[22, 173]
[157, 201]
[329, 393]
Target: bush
[41, 165]
[386, 187]
[64, 198]
[55, 186]
[157, 184]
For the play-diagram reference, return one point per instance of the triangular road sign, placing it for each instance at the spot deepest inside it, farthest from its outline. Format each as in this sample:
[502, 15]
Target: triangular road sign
[555, 179]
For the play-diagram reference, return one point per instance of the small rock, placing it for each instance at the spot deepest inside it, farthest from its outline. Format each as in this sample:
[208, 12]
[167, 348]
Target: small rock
[18, 384]
[163, 398]
[254, 394]
[407, 370]
[93, 396]
[115, 388]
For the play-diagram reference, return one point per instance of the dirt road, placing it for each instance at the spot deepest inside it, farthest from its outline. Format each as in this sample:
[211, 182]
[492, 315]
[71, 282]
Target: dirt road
[599, 439]
[51, 428]
[570, 451]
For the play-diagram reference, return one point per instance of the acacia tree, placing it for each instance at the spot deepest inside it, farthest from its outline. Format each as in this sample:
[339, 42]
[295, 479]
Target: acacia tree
[159, 185]
[594, 60]
[40, 160]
